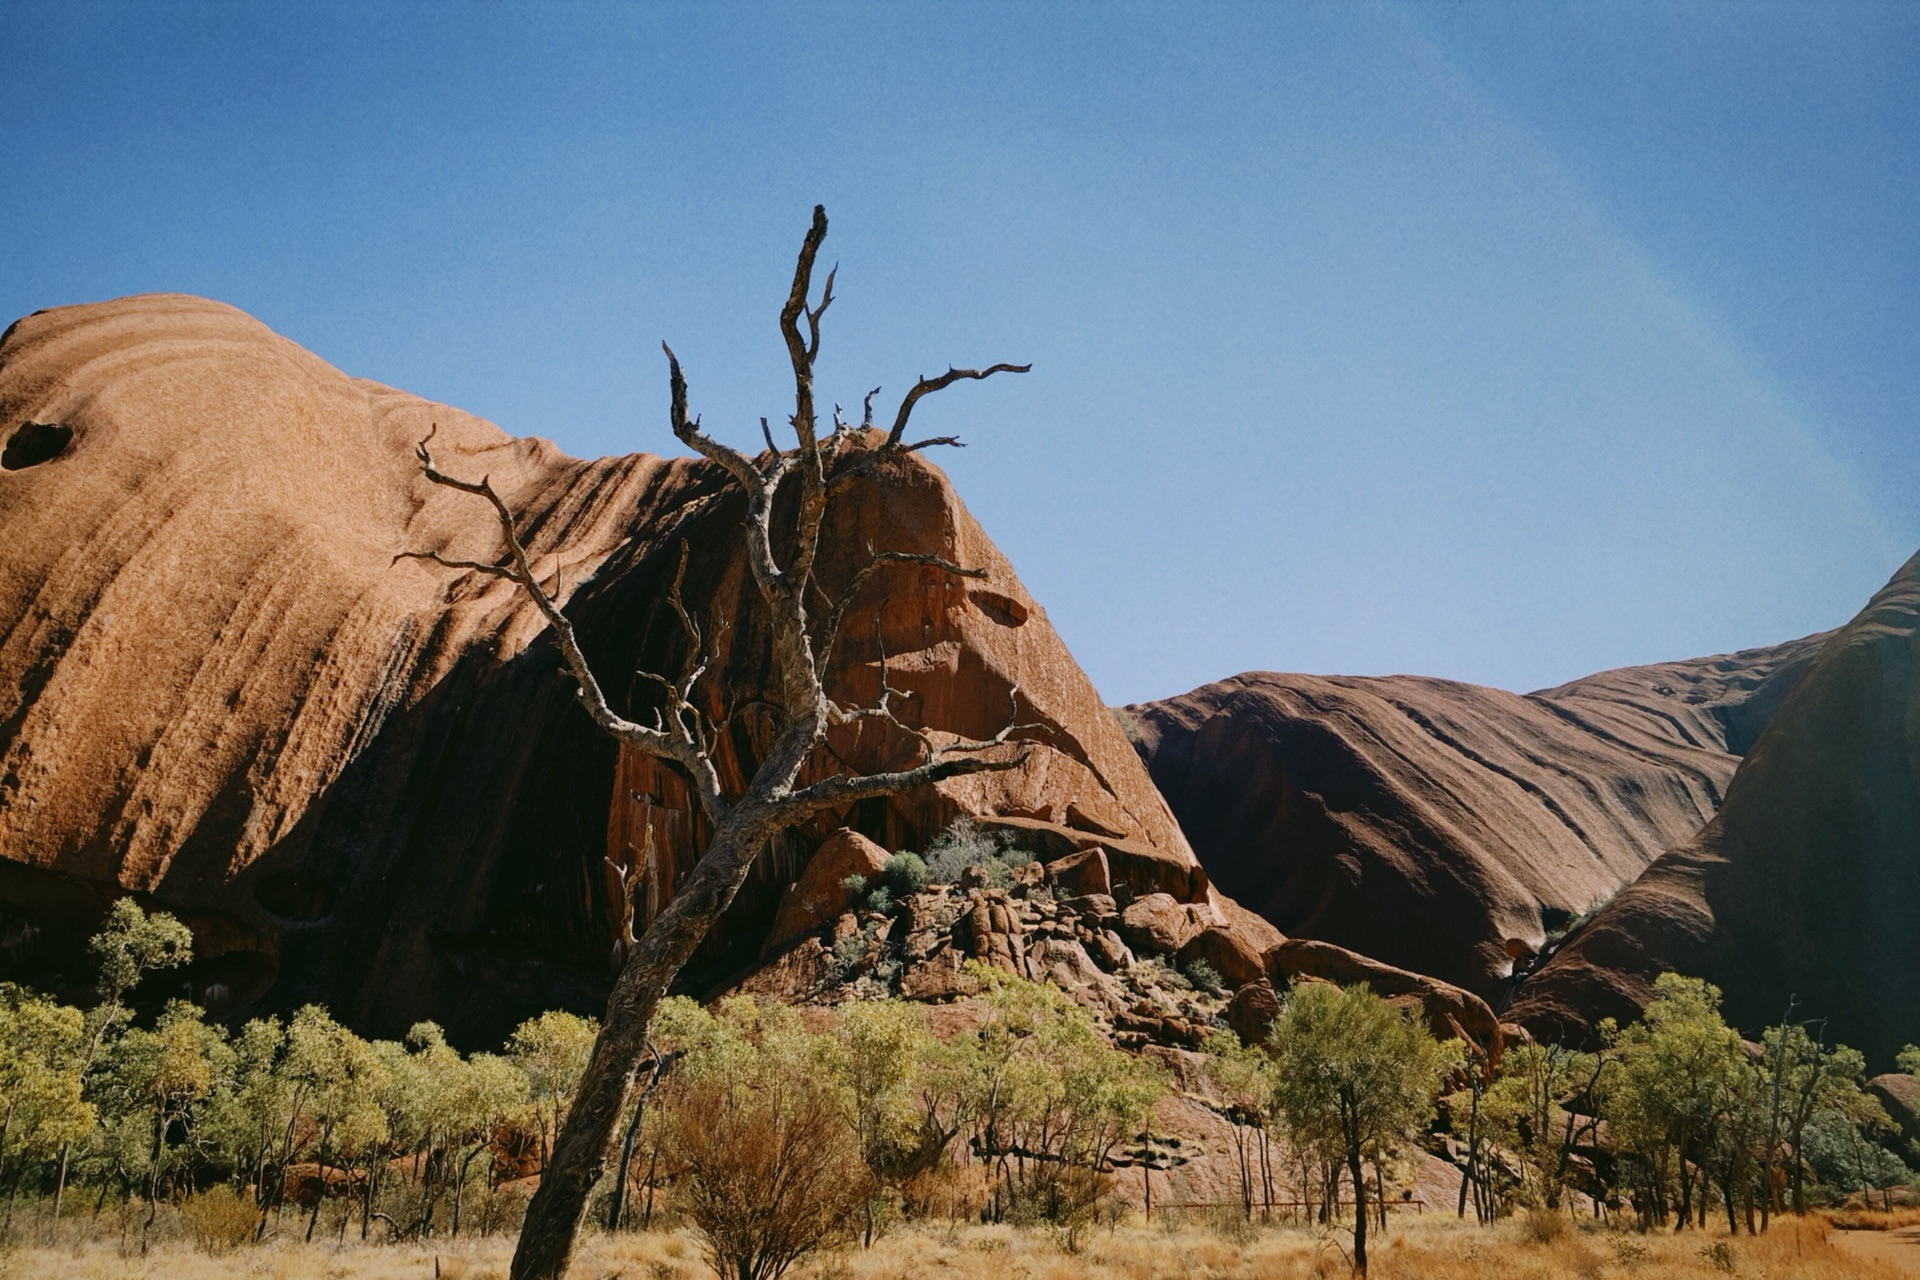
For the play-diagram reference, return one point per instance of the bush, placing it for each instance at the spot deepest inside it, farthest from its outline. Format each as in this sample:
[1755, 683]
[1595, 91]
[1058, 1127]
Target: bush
[218, 1220]
[960, 846]
[906, 874]
[1205, 977]
[765, 1175]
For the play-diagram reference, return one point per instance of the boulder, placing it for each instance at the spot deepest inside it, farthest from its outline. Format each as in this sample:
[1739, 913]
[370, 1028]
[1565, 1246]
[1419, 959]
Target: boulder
[1081, 873]
[1449, 1011]
[991, 931]
[1252, 1010]
[1899, 1093]
[1805, 884]
[820, 895]
[1448, 828]
[1160, 925]
[1236, 949]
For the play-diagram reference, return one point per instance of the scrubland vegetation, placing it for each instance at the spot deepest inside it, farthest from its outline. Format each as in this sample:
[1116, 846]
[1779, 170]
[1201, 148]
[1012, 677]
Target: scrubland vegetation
[759, 1143]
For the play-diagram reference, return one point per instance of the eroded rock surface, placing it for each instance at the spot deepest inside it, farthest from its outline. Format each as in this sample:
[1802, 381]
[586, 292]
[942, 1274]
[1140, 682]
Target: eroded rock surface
[1448, 828]
[1806, 885]
[365, 781]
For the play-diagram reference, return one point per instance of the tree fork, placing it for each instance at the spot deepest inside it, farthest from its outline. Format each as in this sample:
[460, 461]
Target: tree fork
[680, 733]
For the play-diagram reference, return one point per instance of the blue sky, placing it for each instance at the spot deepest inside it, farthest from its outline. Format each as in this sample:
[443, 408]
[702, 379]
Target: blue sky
[1499, 342]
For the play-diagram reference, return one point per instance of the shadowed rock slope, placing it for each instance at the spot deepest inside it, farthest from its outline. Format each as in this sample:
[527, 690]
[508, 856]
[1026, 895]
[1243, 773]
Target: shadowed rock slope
[1449, 828]
[1807, 883]
[366, 781]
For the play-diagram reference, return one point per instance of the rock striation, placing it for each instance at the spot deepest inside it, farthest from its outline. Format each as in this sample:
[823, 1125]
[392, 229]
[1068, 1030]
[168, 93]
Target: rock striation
[1806, 885]
[1448, 828]
[364, 780]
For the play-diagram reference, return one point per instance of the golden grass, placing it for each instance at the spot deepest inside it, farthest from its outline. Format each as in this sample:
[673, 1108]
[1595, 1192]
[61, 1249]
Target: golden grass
[1859, 1218]
[1420, 1249]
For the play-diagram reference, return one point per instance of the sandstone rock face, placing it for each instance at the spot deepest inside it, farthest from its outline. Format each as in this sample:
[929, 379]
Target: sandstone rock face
[1442, 827]
[1807, 883]
[820, 895]
[1449, 1011]
[365, 781]
[1899, 1093]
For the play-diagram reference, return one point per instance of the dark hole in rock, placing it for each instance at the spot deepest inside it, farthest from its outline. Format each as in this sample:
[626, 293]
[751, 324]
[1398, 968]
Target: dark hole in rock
[34, 443]
[293, 897]
[1004, 610]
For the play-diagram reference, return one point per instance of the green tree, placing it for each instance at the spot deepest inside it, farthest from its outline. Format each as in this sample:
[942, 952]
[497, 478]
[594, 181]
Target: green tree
[1524, 1112]
[156, 1080]
[1806, 1077]
[1666, 1096]
[1244, 1075]
[1357, 1078]
[42, 1110]
[552, 1050]
[338, 1081]
[1053, 1100]
[130, 945]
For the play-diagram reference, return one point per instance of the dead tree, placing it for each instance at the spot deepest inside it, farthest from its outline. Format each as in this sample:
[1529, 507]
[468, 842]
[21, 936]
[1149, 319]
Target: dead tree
[781, 561]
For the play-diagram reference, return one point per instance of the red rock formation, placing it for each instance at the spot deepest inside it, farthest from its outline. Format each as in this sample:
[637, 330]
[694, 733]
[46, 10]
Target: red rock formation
[366, 781]
[1450, 1012]
[1442, 827]
[821, 894]
[1807, 883]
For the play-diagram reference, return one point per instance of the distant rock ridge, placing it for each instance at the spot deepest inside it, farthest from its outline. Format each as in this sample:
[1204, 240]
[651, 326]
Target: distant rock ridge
[1806, 885]
[367, 782]
[1449, 828]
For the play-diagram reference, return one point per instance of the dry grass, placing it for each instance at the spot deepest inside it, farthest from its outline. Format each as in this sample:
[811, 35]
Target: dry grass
[1860, 1218]
[1430, 1249]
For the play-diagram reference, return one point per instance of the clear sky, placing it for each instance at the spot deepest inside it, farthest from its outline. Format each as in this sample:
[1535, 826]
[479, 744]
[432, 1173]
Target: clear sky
[1504, 342]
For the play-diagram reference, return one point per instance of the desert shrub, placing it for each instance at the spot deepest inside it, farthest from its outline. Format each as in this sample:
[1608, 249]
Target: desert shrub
[906, 874]
[880, 900]
[765, 1175]
[1205, 977]
[219, 1220]
[1544, 1226]
[960, 846]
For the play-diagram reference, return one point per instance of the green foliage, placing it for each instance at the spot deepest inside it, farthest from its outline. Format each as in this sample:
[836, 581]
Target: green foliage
[963, 845]
[1522, 1113]
[1909, 1060]
[906, 874]
[134, 944]
[1205, 977]
[552, 1049]
[41, 1107]
[1356, 1079]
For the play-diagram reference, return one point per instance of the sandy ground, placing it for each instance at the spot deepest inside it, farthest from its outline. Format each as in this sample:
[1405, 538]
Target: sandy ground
[1900, 1249]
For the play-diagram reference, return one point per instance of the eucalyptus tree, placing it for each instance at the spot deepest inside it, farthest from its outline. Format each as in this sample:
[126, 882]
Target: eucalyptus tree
[1357, 1078]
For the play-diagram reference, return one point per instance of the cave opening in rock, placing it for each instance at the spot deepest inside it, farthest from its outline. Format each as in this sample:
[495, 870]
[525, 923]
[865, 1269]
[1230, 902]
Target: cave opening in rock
[34, 443]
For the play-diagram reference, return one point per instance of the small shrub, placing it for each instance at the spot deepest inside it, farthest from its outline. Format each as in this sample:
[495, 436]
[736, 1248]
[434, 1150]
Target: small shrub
[855, 885]
[1205, 977]
[1718, 1255]
[1544, 1226]
[906, 874]
[219, 1220]
[879, 900]
[848, 952]
[960, 846]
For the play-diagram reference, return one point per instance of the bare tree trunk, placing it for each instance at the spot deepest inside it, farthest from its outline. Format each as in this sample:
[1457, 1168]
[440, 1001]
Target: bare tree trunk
[802, 710]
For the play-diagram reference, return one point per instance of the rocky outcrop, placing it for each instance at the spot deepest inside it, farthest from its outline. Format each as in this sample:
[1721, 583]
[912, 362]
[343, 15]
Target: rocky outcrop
[1449, 1012]
[1448, 828]
[365, 781]
[1806, 885]
[821, 895]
